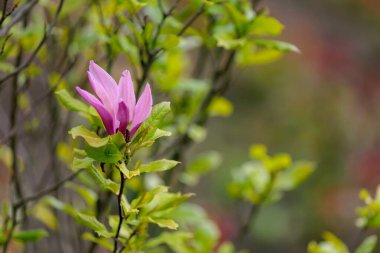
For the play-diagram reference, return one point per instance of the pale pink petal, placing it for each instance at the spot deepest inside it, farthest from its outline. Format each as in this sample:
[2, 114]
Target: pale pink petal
[127, 92]
[123, 117]
[105, 97]
[103, 113]
[104, 79]
[142, 109]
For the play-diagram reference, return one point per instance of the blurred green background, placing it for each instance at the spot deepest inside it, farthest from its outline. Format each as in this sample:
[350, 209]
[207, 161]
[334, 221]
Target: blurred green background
[321, 105]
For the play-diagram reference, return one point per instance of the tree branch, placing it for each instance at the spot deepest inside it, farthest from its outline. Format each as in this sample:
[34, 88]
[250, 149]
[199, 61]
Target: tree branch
[37, 49]
[120, 208]
[17, 17]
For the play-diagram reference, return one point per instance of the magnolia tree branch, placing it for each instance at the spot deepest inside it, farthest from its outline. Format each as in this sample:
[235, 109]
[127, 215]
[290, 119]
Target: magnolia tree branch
[48, 190]
[21, 203]
[154, 53]
[27, 62]
[120, 209]
[18, 16]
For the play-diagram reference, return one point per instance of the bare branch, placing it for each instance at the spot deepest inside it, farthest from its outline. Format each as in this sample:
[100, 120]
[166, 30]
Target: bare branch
[37, 49]
[20, 13]
[48, 190]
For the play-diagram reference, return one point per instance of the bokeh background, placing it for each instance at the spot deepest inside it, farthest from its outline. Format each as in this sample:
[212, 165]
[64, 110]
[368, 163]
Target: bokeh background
[321, 105]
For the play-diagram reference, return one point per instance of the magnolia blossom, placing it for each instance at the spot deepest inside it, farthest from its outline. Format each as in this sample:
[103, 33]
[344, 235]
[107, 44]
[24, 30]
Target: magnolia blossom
[116, 104]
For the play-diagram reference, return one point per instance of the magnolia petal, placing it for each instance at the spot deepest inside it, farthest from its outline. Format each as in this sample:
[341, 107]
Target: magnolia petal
[104, 79]
[127, 92]
[103, 95]
[142, 109]
[123, 117]
[103, 113]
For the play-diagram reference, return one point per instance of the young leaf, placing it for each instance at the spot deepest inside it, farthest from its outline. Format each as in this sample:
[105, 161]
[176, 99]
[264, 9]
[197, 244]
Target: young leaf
[368, 245]
[108, 153]
[164, 223]
[158, 166]
[30, 235]
[91, 138]
[70, 102]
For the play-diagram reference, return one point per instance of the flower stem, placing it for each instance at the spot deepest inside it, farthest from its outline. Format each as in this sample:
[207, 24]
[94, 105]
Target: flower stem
[119, 197]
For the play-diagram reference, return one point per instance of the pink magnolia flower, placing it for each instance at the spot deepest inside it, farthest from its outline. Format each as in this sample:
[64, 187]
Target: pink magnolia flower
[116, 104]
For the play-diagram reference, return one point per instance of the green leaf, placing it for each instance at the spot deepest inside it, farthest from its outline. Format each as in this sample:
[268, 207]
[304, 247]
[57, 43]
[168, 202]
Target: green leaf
[92, 223]
[265, 25]
[70, 102]
[258, 151]
[228, 41]
[164, 223]
[30, 235]
[44, 214]
[277, 45]
[126, 172]
[82, 163]
[158, 166]
[250, 54]
[88, 195]
[91, 138]
[170, 41]
[200, 165]
[331, 244]
[105, 243]
[220, 106]
[108, 153]
[147, 197]
[368, 245]
[101, 180]
[294, 176]
[147, 131]
[226, 247]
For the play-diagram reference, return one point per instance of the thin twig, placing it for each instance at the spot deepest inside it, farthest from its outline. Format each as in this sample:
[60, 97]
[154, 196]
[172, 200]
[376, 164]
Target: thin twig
[120, 208]
[48, 190]
[20, 13]
[154, 53]
[37, 49]
[5, 41]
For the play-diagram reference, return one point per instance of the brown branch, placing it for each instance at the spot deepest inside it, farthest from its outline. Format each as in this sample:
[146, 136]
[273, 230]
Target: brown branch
[152, 55]
[5, 41]
[4, 13]
[191, 20]
[48, 190]
[120, 208]
[37, 102]
[37, 49]
[20, 13]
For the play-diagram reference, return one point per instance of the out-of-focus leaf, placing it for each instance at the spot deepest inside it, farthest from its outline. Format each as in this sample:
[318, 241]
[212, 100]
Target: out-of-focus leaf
[88, 195]
[70, 102]
[158, 166]
[104, 242]
[164, 223]
[199, 166]
[368, 245]
[92, 223]
[294, 176]
[220, 106]
[264, 25]
[331, 244]
[277, 45]
[101, 180]
[45, 215]
[30, 235]
[197, 133]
